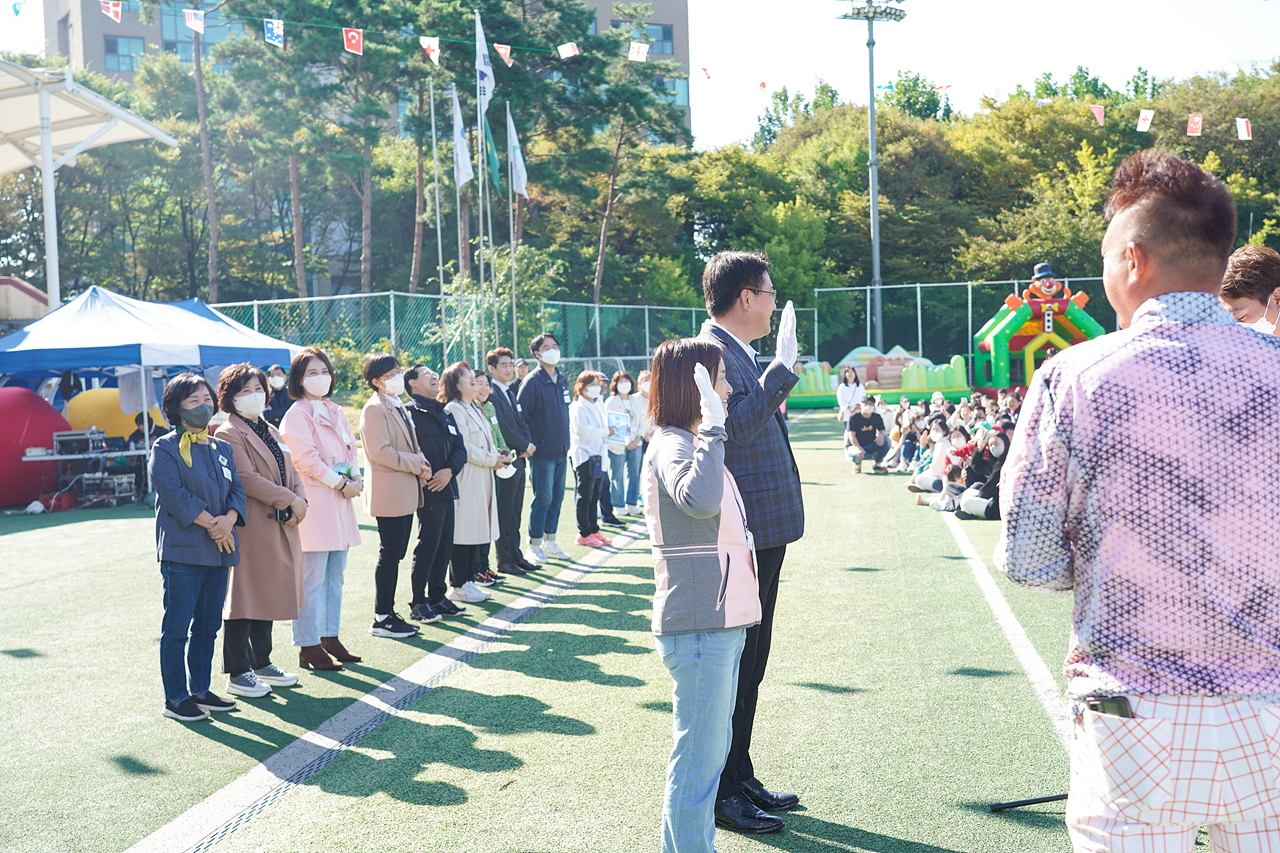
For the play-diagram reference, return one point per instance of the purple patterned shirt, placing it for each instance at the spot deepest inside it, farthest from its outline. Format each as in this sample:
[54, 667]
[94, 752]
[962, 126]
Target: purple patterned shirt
[1144, 475]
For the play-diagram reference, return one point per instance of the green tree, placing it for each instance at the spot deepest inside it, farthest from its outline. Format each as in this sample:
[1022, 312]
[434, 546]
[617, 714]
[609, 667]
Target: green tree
[916, 95]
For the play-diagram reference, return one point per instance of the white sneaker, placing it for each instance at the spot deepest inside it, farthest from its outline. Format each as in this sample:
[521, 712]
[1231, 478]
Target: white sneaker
[634, 510]
[469, 592]
[275, 676]
[554, 551]
[535, 555]
[247, 684]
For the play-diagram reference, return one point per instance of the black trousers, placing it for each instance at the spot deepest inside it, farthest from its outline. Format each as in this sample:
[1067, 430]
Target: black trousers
[587, 495]
[431, 554]
[393, 542]
[467, 560]
[755, 656]
[510, 508]
[246, 645]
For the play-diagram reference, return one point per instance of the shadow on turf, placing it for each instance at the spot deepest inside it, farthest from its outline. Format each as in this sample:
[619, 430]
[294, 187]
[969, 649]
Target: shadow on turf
[1029, 817]
[134, 767]
[558, 656]
[828, 688]
[21, 653]
[979, 672]
[811, 833]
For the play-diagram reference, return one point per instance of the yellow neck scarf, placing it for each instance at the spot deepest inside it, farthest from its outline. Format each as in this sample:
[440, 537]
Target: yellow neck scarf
[184, 443]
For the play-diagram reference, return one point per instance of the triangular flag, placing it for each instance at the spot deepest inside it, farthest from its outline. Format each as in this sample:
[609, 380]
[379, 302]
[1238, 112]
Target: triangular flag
[484, 69]
[431, 44]
[515, 159]
[17, 7]
[1195, 121]
[639, 52]
[111, 8]
[273, 31]
[1144, 120]
[1244, 130]
[504, 50]
[462, 171]
[491, 153]
[706, 72]
[764, 89]
[353, 40]
[1098, 113]
[941, 88]
[194, 19]
[568, 49]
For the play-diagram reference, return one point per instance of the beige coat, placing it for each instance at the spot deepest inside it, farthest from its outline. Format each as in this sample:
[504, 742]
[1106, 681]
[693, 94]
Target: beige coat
[392, 459]
[267, 582]
[475, 516]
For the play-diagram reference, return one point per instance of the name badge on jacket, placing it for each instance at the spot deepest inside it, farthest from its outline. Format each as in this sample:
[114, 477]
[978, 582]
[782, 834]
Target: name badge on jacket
[226, 472]
[452, 431]
[519, 408]
[494, 420]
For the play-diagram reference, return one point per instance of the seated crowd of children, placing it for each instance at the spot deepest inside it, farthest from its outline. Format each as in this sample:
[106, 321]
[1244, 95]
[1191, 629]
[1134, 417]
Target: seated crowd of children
[952, 452]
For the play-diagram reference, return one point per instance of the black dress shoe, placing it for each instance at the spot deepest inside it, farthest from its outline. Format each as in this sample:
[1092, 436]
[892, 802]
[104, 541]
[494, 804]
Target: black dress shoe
[525, 564]
[614, 522]
[511, 569]
[765, 799]
[737, 814]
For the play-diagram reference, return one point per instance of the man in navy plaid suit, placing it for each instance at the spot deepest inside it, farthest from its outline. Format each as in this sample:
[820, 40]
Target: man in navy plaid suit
[741, 300]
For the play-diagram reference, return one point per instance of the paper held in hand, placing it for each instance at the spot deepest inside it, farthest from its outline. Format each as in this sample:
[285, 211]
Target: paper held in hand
[621, 423]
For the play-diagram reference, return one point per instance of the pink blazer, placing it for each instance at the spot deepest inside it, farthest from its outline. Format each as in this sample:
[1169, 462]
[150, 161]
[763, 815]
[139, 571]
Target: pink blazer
[316, 444]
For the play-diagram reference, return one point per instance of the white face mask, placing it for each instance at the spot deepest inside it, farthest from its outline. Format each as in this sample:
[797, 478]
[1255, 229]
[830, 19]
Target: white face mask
[593, 392]
[644, 387]
[277, 382]
[624, 387]
[550, 357]
[1263, 325]
[394, 387]
[251, 405]
[867, 411]
[997, 450]
[937, 436]
[317, 385]
[920, 423]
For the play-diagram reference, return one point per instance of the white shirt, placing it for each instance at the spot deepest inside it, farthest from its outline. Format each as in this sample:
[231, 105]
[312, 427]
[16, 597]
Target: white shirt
[848, 396]
[747, 348]
[587, 430]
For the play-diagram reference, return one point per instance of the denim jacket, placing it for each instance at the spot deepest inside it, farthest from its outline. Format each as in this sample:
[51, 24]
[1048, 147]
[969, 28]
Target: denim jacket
[182, 493]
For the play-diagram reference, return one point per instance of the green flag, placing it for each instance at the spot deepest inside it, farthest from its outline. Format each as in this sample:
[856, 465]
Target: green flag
[492, 151]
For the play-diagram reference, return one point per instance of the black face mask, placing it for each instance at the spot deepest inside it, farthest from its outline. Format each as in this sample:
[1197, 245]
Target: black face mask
[197, 418]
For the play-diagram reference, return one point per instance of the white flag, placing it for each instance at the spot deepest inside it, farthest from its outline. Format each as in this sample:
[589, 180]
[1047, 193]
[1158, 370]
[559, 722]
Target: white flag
[484, 70]
[1144, 120]
[194, 20]
[569, 49]
[431, 44]
[1243, 129]
[462, 171]
[639, 52]
[519, 177]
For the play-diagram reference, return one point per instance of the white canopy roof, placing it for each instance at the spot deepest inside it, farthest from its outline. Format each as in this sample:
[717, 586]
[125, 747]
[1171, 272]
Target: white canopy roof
[79, 119]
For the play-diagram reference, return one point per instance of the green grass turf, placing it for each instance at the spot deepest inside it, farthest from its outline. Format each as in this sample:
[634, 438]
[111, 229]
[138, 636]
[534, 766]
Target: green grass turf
[893, 703]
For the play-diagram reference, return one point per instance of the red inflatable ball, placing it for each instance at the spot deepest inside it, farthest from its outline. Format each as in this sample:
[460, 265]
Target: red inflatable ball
[31, 422]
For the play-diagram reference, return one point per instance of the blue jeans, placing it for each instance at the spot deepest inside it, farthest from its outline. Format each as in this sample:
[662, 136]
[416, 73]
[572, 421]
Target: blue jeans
[548, 476]
[321, 611]
[704, 668]
[630, 460]
[193, 598]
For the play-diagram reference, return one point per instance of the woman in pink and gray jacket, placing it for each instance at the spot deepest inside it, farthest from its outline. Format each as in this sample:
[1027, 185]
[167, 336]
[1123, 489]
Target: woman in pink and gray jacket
[706, 592]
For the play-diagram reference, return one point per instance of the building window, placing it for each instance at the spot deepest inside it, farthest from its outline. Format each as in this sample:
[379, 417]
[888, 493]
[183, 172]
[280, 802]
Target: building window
[123, 53]
[677, 91]
[131, 6]
[661, 40]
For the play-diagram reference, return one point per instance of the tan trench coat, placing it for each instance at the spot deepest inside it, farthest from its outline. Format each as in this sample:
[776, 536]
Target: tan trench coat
[475, 516]
[392, 459]
[267, 583]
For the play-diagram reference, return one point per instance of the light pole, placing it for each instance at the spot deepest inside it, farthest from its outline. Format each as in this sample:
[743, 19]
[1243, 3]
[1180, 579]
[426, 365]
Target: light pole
[872, 12]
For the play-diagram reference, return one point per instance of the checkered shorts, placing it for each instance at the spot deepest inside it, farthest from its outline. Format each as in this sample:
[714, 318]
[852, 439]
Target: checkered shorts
[1145, 784]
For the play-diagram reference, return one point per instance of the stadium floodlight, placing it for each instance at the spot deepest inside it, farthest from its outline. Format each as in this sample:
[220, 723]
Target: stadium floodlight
[871, 12]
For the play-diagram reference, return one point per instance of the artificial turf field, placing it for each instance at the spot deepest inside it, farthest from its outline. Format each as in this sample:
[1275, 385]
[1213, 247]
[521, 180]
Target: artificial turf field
[894, 704]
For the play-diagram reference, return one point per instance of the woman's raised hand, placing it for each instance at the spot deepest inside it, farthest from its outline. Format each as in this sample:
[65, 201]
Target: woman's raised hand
[713, 413]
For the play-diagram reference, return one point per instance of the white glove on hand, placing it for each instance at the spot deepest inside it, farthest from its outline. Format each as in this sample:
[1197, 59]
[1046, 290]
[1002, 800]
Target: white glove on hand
[713, 414]
[788, 349]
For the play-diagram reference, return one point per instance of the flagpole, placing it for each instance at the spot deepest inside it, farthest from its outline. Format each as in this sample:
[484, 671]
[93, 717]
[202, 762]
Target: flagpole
[457, 188]
[511, 215]
[431, 88]
[480, 194]
[493, 276]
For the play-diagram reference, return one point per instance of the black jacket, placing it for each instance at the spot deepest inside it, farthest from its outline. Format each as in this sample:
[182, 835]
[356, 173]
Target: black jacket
[441, 443]
[546, 413]
[511, 421]
[277, 406]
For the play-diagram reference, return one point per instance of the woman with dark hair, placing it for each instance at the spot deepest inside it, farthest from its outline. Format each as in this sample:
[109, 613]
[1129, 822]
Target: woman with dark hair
[266, 585]
[982, 500]
[199, 502]
[475, 516]
[587, 433]
[324, 454]
[397, 471]
[625, 452]
[849, 392]
[705, 577]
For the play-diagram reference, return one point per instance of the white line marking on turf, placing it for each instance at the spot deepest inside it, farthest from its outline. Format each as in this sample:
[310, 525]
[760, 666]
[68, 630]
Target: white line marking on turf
[212, 820]
[1047, 689]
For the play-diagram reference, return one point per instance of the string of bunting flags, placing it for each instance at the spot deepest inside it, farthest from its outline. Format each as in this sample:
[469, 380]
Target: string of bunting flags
[353, 37]
[1195, 121]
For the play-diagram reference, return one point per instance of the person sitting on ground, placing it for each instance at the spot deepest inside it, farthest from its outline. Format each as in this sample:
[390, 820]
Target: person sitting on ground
[865, 434]
[1251, 288]
[962, 446]
[948, 500]
[930, 480]
[982, 500]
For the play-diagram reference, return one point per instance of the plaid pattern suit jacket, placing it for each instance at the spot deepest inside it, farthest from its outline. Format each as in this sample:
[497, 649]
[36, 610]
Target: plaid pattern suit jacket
[758, 451]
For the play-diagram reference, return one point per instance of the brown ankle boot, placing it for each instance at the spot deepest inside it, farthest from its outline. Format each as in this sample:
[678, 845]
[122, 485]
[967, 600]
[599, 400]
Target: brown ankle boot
[334, 646]
[315, 657]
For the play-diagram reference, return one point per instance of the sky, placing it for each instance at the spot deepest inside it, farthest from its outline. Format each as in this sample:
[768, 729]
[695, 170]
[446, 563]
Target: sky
[976, 47]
